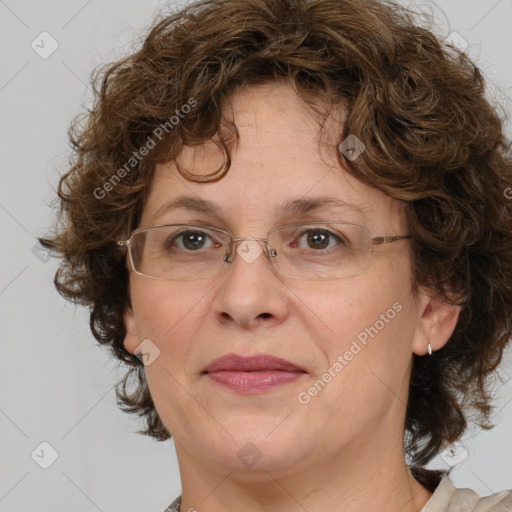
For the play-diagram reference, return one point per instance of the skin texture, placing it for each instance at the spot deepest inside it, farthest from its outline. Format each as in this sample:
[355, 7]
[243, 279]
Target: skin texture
[344, 449]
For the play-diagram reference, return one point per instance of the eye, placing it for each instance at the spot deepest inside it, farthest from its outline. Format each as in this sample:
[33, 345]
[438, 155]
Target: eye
[317, 239]
[191, 241]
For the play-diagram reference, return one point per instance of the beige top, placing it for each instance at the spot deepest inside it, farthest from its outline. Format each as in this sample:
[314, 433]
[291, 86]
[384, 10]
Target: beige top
[446, 498]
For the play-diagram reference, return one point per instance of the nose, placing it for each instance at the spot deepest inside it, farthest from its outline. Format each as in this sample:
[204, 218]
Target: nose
[250, 293]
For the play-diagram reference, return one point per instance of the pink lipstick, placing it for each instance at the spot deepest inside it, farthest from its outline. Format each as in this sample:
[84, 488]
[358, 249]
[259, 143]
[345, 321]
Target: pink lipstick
[252, 374]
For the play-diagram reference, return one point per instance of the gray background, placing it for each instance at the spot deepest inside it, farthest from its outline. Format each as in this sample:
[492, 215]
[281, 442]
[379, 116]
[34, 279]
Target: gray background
[56, 384]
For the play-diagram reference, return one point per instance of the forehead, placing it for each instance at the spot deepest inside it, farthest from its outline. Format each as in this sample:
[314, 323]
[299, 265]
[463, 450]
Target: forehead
[282, 165]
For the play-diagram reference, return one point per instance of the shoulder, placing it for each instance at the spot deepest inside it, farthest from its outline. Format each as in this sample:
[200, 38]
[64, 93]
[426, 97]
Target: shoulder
[448, 498]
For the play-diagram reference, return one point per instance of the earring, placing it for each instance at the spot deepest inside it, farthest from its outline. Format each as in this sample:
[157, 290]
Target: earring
[429, 349]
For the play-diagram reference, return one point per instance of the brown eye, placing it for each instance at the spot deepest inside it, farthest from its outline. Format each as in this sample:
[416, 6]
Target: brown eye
[318, 239]
[190, 241]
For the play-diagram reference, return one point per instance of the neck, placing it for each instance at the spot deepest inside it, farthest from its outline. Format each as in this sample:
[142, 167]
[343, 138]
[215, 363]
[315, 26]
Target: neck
[354, 479]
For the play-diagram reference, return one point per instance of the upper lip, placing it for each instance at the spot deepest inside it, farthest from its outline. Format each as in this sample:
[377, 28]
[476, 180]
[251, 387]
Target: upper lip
[258, 362]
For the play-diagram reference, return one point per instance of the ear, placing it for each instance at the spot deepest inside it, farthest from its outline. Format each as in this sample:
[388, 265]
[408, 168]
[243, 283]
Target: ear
[436, 323]
[131, 341]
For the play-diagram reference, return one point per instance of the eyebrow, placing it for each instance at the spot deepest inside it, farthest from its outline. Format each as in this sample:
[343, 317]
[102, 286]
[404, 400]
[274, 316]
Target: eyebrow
[289, 207]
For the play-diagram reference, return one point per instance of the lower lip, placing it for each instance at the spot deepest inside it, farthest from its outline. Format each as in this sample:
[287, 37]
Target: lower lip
[255, 381]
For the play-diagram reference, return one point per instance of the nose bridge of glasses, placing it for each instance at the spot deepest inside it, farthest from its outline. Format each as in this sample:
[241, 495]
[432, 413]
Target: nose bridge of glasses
[248, 248]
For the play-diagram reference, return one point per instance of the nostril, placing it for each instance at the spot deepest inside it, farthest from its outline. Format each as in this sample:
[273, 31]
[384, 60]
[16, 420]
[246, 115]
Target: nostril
[265, 315]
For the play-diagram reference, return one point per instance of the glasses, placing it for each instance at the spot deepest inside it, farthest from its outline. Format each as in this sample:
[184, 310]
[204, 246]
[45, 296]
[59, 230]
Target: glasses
[321, 250]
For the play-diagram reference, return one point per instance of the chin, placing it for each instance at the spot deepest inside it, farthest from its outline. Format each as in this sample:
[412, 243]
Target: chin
[253, 447]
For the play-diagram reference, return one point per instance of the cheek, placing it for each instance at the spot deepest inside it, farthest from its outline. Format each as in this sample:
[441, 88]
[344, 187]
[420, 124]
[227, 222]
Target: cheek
[369, 321]
[342, 312]
[366, 353]
[169, 314]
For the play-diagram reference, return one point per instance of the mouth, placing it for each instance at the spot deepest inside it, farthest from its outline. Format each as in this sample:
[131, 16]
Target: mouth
[253, 374]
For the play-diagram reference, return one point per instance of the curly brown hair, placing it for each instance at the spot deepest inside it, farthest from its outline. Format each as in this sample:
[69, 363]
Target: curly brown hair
[433, 141]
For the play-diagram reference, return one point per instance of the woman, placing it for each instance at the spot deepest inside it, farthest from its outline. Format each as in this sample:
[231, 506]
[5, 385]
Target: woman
[290, 219]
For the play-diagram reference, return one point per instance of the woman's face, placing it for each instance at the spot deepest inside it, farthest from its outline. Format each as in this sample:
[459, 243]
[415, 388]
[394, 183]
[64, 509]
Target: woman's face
[360, 331]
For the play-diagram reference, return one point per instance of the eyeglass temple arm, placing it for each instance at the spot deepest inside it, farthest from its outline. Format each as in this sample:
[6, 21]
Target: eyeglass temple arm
[386, 239]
